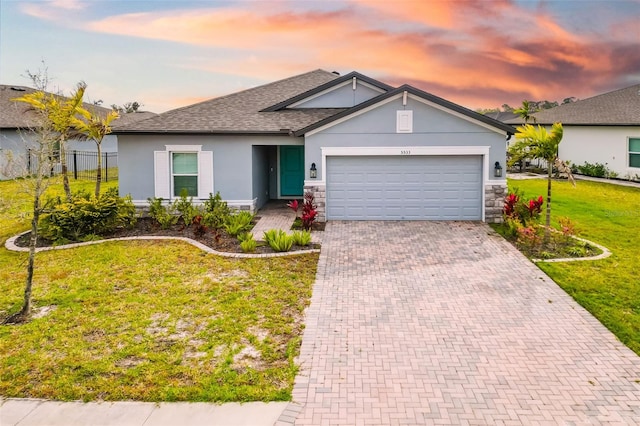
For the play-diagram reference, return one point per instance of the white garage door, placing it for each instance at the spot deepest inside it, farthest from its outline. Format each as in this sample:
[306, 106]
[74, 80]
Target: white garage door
[404, 188]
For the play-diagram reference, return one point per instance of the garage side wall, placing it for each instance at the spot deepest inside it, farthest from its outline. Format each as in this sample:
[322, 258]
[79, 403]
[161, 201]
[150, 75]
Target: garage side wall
[431, 127]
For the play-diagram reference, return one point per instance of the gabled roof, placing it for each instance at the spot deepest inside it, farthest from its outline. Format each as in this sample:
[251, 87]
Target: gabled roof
[18, 115]
[618, 108]
[419, 93]
[333, 83]
[240, 113]
[263, 109]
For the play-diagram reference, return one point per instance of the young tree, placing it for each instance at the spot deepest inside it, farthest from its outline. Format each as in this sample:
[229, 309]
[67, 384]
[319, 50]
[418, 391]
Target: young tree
[95, 127]
[537, 143]
[60, 113]
[43, 139]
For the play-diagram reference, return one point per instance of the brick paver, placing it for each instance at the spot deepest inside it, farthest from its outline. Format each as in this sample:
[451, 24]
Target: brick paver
[445, 323]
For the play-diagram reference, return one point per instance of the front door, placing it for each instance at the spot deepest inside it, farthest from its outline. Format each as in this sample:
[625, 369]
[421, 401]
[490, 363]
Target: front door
[291, 170]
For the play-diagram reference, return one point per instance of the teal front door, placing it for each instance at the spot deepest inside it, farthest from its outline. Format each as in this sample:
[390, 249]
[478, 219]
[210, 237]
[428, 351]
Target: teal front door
[291, 170]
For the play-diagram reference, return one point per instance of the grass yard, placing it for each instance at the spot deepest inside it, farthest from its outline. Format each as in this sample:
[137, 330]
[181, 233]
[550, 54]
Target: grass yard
[149, 321]
[610, 215]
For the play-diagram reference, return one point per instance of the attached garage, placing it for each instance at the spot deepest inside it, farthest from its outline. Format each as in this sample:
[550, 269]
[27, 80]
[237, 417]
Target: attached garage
[427, 187]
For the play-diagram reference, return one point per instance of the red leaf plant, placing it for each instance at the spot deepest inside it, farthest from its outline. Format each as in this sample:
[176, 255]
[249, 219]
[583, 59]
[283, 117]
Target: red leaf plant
[535, 207]
[510, 203]
[309, 211]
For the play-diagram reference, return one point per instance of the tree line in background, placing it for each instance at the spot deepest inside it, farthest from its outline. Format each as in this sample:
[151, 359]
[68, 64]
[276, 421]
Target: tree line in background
[533, 106]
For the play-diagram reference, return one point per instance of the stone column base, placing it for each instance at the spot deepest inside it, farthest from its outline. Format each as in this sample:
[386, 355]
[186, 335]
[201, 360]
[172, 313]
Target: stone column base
[494, 195]
[320, 194]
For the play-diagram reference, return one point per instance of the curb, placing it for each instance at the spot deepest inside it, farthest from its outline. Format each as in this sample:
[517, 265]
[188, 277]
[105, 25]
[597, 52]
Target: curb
[10, 244]
[605, 253]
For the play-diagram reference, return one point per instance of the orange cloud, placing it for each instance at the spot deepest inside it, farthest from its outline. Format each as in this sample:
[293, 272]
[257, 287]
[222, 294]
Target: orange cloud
[463, 50]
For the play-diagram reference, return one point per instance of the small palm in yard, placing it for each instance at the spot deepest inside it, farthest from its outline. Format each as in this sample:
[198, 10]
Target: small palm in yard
[537, 143]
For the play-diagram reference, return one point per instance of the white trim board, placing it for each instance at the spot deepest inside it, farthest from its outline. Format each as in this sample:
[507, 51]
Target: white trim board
[409, 151]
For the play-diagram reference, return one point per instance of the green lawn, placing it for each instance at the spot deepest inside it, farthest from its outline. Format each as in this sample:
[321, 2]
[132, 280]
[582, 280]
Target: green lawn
[610, 215]
[149, 321]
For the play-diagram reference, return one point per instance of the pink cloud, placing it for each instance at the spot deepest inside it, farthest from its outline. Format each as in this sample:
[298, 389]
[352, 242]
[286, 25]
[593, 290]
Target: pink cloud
[468, 50]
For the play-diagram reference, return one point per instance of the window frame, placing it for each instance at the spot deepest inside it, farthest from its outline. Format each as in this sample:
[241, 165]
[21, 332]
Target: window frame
[173, 174]
[630, 153]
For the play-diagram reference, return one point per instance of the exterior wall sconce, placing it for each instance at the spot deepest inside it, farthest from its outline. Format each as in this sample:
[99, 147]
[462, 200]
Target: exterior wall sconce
[497, 170]
[313, 172]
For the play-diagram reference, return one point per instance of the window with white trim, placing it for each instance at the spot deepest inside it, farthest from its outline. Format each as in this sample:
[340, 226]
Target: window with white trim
[183, 167]
[634, 152]
[184, 173]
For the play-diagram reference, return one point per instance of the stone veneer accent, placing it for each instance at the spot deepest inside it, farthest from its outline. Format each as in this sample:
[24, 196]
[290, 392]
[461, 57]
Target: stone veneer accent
[494, 195]
[320, 194]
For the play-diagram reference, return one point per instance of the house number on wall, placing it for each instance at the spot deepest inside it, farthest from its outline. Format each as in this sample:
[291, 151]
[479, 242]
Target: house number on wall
[405, 152]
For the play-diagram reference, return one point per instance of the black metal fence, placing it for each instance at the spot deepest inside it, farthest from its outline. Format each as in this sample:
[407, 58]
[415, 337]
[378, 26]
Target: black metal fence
[82, 165]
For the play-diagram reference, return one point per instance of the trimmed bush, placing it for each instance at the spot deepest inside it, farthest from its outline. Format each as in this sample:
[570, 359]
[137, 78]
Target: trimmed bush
[86, 216]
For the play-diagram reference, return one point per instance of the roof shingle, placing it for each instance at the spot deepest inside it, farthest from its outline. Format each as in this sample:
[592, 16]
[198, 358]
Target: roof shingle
[18, 115]
[240, 112]
[620, 107]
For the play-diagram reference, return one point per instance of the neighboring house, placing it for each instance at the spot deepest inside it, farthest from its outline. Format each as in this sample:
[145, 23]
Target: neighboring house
[17, 120]
[366, 150]
[503, 116]
[603, 129]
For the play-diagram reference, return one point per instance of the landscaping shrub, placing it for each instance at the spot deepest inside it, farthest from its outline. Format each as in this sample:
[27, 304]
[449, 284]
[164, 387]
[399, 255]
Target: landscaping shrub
[595, 170]
[269, 235]
[278, 240]
[184, 205]
[216, 211]
[165, 215]
[309, 212]
[247, 243]
[301, 238]
[86, 216]
[238, 223]
[516, 208]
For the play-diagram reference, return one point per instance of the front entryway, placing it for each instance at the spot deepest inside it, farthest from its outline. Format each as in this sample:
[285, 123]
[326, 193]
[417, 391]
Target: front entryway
[404, 187]
[291, 170]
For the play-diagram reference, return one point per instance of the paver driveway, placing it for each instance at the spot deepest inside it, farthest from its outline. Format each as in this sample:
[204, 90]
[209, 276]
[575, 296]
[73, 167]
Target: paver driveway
[442, 323]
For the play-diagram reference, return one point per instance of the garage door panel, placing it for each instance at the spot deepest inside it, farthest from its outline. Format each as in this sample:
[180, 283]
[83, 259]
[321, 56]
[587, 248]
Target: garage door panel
[404, 188]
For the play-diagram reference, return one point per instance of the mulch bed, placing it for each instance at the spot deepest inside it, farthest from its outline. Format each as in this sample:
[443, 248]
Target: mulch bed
[216, 239]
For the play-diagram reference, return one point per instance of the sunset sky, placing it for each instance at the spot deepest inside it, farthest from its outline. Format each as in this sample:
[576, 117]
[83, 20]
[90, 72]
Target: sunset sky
[167, 54]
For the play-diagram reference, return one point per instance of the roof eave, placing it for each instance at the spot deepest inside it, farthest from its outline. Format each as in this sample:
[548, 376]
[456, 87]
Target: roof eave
[284, 132]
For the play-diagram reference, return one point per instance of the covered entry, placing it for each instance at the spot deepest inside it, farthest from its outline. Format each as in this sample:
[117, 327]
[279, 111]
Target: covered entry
[425, 187]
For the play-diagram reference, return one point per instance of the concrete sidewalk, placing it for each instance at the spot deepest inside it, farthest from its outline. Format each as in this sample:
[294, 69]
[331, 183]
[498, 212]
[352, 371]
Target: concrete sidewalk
[37, 412]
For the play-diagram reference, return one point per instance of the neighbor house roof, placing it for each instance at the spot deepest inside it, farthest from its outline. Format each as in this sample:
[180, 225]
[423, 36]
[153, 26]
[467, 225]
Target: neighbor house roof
[18, 115]
[264, 109]
[241, 112]
[618, 108]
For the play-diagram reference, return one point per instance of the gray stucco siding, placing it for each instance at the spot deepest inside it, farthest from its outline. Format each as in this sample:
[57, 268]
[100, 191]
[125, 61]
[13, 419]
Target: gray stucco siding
[341, 97]
[431, 127]
[19, 141]
[233, 162]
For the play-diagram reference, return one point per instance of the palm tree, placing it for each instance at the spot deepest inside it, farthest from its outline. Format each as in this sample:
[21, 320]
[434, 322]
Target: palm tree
[95, 127]
[60, 113]
[536, 142]
[526, 109]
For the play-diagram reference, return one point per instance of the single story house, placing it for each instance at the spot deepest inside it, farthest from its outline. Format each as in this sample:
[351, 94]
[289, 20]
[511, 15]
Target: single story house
[603, 129]
[16, 120]
[366, 150]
